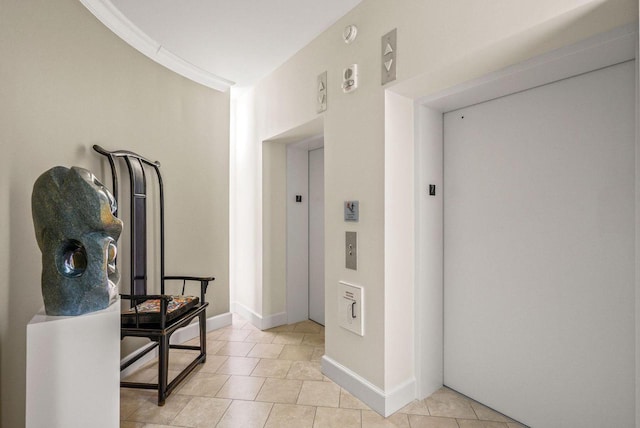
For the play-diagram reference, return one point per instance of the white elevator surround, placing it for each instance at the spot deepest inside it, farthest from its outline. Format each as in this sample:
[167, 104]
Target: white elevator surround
[539, 251]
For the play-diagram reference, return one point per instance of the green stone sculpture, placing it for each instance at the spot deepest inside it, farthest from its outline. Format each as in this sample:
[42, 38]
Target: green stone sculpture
[76, 230]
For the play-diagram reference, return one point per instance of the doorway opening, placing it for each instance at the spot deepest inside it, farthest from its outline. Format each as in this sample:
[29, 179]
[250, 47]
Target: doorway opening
[305, 230]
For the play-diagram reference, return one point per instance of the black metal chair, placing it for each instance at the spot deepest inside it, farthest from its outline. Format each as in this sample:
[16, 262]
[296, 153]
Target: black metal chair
[155, 317]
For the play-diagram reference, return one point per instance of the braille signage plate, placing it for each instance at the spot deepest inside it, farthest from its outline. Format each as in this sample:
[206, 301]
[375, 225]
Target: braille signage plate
[351, 211]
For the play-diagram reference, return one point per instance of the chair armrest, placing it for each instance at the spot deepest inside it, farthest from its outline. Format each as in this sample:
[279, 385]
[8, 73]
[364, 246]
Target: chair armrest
[204, 282]
[190, 278]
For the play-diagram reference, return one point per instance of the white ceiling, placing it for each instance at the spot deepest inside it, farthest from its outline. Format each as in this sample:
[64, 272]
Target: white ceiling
[240, 41]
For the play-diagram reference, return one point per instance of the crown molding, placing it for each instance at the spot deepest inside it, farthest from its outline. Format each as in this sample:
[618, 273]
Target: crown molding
[113, 19]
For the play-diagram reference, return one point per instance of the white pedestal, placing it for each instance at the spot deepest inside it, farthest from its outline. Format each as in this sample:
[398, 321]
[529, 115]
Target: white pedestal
[73, 370]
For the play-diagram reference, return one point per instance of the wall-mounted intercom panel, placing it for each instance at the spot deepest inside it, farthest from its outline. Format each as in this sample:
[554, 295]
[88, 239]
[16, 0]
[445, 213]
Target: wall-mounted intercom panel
[350, 78]
[350, 307]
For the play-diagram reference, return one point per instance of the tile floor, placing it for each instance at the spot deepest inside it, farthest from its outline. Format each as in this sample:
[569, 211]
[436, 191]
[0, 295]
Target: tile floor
[272, 379]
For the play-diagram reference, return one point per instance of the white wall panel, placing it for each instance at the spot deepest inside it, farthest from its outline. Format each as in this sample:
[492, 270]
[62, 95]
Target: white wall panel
[316, 235]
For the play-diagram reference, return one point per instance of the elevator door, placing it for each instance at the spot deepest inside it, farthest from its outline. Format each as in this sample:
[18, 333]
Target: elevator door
[539, 251]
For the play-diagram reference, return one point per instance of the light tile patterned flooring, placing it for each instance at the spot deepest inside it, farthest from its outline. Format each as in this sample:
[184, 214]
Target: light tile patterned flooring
[272, 379]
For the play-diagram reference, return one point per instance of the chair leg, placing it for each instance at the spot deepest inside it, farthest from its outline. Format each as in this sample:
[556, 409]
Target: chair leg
[203, 336]
[163, 369]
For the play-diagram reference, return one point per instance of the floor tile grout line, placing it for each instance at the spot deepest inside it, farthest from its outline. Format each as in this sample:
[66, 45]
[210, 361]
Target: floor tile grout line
[288, 370]
[315, 414]
[474, 412]
[299, 392]
[225, 412]
[270, 410]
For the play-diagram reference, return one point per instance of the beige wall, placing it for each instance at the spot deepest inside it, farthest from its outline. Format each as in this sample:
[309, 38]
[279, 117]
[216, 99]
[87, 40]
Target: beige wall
[440, 44]
[67, 82]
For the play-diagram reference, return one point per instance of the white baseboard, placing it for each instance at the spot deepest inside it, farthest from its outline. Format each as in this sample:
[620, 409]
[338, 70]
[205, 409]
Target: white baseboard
[400, 396]
[180, 336]
[246, 313]
[219, 321]
[141, 362]
[385, 403]
[258, 321]
[191, 331]
[275, 320]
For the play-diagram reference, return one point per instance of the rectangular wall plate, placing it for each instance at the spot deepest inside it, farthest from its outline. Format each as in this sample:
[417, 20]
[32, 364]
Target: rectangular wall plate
[350, 78]
[389, 56]
[351, 250]
[350, 307]
[351, 211]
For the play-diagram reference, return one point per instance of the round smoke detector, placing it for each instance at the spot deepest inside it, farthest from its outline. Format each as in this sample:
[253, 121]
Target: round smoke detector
[349, 34]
